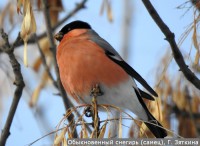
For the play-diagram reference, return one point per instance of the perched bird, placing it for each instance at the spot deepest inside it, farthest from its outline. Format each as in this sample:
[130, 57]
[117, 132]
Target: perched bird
[85, 59]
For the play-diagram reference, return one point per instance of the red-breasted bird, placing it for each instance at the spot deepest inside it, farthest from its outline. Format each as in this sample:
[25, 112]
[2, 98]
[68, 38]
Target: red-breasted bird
[85, 60]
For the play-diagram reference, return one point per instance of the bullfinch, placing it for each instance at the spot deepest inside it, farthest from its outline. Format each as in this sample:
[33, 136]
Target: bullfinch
[85, 60]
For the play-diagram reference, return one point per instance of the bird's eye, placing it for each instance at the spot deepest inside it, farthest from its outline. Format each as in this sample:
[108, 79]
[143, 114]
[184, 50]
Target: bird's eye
[69, 29]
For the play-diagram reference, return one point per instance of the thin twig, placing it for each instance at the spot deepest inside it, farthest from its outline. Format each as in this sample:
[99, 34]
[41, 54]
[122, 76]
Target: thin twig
[79, 6]
[170, 37]
[47, 69]
[66, 101]
[19, 82]
[53, 51]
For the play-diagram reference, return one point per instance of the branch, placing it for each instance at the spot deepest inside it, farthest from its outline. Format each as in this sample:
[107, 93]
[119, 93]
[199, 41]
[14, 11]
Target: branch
[31, 40]
[170, 37]
[53, 51]
[66, 101]
[78, 7]
[9, 50]
[42, 56]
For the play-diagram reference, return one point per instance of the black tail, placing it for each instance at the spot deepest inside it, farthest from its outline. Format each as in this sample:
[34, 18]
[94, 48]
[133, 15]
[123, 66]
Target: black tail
[155, 127]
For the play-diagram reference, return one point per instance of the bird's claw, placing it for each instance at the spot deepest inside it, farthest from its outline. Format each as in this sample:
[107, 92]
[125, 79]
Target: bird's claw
[96, 91]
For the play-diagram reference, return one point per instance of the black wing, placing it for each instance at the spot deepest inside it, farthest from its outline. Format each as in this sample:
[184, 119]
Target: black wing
[133, 73]
[145, 95]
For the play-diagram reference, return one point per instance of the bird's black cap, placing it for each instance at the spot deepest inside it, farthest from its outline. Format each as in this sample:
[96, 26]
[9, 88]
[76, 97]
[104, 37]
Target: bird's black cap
[73, 25]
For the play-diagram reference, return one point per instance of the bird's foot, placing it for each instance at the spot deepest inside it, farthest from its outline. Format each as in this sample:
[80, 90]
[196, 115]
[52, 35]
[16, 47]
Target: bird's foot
[96, 91]
[88, 112]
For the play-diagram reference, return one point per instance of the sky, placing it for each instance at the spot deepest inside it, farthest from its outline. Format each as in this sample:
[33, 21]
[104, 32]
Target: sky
[147, 46]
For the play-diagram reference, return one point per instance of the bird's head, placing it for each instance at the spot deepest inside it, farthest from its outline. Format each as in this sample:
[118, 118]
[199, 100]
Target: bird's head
[71, 26]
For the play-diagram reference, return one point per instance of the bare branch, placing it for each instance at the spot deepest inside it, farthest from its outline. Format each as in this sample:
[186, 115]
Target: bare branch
[19, 82]
[170, 37]
[53, 51]
[7, 48]
[66, 101]
[78, 7]
[42, 56]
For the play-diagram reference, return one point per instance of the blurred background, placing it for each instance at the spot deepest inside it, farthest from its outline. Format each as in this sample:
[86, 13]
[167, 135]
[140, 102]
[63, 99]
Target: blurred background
[128, 27]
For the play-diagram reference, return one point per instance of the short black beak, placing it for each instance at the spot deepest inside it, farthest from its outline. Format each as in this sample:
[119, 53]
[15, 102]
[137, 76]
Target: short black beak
[58, 36]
